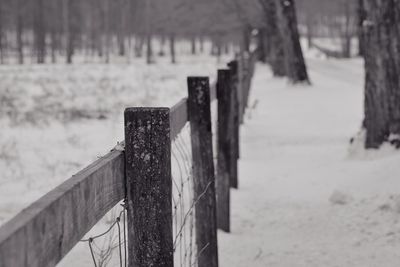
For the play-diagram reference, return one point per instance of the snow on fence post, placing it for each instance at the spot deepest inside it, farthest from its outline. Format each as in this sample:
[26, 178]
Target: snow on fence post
[226, 162]
[233, 67]
[203, 171]
[149, 187]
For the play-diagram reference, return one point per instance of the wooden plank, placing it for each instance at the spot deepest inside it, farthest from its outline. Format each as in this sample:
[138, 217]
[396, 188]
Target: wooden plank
[203, 171]
[47, 230]
[149, 187]
[224, 145]
[178, 117]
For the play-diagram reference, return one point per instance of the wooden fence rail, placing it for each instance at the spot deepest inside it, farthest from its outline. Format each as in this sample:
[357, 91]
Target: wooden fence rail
[42, 234]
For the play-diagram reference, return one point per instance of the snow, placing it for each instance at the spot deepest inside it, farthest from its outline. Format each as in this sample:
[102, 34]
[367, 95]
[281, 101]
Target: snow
[307, 195]
[297, 164]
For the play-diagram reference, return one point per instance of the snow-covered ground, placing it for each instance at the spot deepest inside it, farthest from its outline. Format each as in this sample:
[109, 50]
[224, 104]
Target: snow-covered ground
[308, 198]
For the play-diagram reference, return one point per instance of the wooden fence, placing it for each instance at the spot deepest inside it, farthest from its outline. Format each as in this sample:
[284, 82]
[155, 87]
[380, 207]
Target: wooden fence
[42, 234]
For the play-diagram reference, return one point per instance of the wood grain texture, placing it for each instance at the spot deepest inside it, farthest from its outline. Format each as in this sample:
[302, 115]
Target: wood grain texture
[203, 171]
[42, 234]
[178, 117]
[233, 67]
[149, 187]
[224, 146]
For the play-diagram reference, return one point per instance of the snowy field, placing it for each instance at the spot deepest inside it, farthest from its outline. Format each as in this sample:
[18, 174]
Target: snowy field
[306, 198]
[57, 119]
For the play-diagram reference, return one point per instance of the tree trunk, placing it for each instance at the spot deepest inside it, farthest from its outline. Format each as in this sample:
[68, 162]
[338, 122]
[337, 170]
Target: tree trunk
[161, 52]
[39, 31]
[139, 41]
[310, 31]
[296, 69]
[201, 44]
[1, 33]
[107, 30]
[193, 45]
[19, 25]
[68, 28]
[274, 50]
[382, 67]
[246, 38]
[361, 17]
[347, 34]
[149, 50]
[122, 28]
[261, 38]
[172, 48]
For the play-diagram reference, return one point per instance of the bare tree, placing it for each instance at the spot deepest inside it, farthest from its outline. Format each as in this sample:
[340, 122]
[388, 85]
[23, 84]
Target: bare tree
[296, 69]
[273, 42]
[39, 30]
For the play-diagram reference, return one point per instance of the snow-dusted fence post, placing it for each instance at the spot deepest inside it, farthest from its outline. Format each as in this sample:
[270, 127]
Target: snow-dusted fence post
[233, 67]
[203, 171]
[149, 187]
[226, 161]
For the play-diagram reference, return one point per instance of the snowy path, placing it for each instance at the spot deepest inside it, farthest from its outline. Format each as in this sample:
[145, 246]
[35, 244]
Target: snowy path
[295, 155]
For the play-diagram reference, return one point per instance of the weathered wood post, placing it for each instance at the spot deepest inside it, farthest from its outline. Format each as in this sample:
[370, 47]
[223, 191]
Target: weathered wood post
[241, 84]
[226, 161]
[247, 80]
[203, 171]
[233, 67]
[149, 187]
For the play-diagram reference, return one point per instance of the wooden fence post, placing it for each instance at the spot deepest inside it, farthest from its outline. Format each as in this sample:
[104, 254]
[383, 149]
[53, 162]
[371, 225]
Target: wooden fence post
[226, 159]
[246, 80]
[149, 187]
[203, 171]
[233, 66]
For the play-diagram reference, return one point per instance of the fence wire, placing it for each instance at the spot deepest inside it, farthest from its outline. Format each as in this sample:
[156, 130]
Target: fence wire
[109, 247]
[185, 251]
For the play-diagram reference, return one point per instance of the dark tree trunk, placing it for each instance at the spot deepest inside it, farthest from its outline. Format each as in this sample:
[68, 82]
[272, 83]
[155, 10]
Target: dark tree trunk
[122, 29]
[274, 49]
[296, 69]
[201, 44]
[107, 29]
[1, 33]
[246, 41]
[261, 38]
[70, 28]
[172, 48]
[382, 67]
[361, 17]
[19, 25]
[193, 45]
[149, 50]
[310, 31]
[347, 33]
[139, 41]
[39, 31]
[161, 53]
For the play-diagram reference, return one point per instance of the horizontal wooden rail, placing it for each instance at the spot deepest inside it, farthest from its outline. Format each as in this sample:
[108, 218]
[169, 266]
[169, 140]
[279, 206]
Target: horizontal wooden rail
[47, 230]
